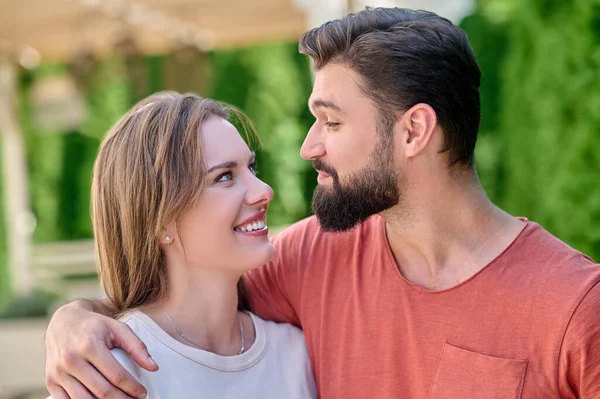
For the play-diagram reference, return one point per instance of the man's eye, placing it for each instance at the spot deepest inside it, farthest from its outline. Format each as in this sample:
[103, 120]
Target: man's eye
[253, 168]
[224, 177]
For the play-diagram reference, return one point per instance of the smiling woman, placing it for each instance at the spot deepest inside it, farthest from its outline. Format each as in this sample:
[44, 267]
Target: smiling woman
[179, 216]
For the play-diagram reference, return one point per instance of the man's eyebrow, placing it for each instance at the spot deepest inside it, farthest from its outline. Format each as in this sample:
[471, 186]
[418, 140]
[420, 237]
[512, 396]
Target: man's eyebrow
[229, 164]
[318, 103]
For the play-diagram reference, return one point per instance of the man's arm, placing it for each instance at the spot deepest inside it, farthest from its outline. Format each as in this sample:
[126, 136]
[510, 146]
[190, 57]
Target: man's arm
[274, 290]
[100, 306]
[579, 363]
[268, 294]
[79, 363]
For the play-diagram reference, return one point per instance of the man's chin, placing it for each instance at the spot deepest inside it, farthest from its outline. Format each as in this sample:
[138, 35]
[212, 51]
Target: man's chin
[336, 227]
[337, 222]
[340, 209]
[328, 228]
[340, 218]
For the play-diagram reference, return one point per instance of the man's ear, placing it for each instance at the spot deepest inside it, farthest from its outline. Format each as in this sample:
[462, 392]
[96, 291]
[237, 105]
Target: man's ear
[417, 125]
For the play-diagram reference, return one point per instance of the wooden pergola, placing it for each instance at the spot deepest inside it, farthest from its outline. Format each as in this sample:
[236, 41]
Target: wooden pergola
[58, 28]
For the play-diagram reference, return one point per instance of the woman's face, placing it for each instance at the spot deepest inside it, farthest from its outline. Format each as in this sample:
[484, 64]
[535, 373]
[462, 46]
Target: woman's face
[226, 228]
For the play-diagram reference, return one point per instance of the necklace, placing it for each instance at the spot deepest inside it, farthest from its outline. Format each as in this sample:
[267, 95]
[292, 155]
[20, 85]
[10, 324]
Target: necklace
[200, 346]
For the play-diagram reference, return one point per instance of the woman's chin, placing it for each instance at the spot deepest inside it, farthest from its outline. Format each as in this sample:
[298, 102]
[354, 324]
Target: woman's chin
[260, 256]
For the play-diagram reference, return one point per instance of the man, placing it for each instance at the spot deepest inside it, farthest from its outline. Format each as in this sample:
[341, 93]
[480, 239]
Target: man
[427, 290]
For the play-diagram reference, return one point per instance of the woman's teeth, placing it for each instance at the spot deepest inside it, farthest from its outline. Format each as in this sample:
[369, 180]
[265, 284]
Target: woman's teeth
[257, 225]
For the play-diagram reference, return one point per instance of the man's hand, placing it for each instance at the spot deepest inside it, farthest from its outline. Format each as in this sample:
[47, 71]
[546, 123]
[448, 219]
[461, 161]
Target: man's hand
[79, 363]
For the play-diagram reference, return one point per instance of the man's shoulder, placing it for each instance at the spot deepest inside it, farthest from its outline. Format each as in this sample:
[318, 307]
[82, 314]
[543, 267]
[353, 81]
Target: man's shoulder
[553, 262]
[542, 247]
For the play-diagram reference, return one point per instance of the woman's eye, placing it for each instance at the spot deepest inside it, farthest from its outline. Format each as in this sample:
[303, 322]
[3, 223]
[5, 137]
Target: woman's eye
[253, 169]
[224, 177]
[332, 125]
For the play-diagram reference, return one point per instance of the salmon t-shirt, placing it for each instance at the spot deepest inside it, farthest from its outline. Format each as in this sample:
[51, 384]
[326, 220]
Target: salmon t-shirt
[526, 326]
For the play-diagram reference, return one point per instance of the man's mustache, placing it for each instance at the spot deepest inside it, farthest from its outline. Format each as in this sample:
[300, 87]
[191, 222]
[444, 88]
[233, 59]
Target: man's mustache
[323, 167]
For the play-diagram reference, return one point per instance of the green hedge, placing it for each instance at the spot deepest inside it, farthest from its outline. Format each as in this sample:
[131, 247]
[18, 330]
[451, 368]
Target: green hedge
[539, 153]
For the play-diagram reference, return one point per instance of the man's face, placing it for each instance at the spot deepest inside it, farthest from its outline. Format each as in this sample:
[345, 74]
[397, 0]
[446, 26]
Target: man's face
[352, 154]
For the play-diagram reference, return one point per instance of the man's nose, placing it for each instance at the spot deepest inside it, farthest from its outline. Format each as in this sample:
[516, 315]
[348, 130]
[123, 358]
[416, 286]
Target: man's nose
[313, 147]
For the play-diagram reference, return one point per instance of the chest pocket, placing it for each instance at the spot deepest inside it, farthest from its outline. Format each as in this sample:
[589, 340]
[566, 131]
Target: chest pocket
[462, 374]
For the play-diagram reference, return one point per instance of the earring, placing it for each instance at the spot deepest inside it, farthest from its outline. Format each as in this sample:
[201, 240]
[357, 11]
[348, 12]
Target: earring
[168, 239]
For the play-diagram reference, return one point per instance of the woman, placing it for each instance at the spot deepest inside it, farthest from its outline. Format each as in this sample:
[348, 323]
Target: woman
[179, 215]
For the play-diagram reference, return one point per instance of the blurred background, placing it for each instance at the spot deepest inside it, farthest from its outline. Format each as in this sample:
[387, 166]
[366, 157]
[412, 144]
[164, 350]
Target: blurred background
[70, 68]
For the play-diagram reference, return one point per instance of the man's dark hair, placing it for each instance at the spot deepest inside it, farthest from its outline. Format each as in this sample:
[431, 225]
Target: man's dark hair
[406, 57]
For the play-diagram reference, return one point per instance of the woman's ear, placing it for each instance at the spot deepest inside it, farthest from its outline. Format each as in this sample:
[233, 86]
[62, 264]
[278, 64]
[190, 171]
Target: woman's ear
[166, 238]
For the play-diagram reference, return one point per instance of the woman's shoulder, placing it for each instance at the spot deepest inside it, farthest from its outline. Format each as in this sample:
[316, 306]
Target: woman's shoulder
[280, 334]
[140, 323]
[131, 316]
[142, 327]
[287, 355]
[126, 361]
[278, 329]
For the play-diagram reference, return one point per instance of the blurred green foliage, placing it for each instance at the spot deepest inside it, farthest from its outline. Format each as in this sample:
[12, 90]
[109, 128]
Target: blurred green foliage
[272, 83]
[537, 156]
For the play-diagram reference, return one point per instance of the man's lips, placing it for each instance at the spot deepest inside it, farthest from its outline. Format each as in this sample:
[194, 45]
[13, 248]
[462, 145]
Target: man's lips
[322, 168]
[322, 177]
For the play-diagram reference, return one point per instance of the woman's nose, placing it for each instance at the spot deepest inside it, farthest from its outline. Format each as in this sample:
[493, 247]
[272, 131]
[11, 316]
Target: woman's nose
[260, 193]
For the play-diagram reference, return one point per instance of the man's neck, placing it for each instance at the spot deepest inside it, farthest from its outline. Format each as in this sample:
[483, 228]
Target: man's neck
[448, 235]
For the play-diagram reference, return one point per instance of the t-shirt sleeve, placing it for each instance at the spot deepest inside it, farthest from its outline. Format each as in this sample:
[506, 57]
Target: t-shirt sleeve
[274, 289]
[579, 364]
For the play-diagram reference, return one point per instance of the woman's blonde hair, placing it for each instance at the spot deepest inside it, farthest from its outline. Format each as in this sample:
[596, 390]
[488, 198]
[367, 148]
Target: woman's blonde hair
[148, 172]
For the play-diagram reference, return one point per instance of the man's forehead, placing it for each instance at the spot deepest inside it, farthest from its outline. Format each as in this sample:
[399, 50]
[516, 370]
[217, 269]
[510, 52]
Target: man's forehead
[335, 74]
[323, 89]
[335, 85]
[325, 84]
[328, 87]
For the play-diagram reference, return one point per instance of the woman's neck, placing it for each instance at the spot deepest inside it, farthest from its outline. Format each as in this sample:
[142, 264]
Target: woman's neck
[201, 305]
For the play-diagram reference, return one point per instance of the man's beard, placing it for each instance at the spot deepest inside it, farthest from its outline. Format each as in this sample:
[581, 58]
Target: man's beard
[363, 194]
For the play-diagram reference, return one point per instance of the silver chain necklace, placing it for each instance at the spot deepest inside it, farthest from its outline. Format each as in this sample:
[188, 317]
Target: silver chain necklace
[200, 346]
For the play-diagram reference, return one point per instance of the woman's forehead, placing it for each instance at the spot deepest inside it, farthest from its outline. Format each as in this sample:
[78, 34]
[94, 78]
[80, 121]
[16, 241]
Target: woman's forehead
[221, 142]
